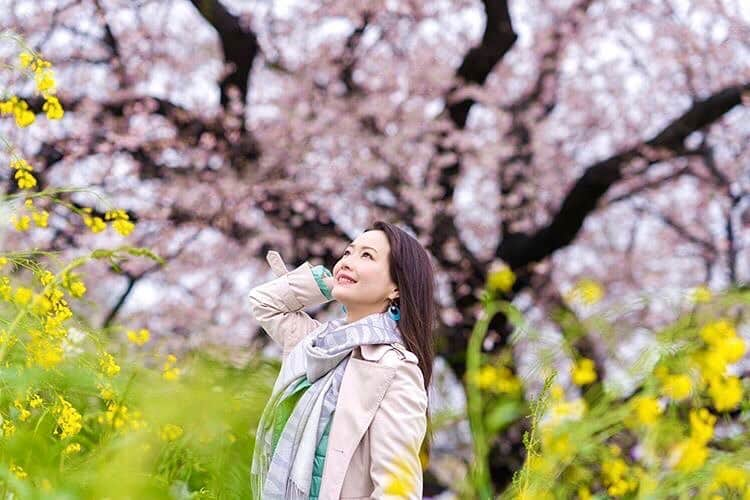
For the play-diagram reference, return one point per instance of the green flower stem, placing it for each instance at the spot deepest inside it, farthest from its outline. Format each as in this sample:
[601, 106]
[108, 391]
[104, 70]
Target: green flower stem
[479, 472]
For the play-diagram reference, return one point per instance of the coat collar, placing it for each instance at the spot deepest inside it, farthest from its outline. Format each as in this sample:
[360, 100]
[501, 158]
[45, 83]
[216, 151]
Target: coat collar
[374, 352]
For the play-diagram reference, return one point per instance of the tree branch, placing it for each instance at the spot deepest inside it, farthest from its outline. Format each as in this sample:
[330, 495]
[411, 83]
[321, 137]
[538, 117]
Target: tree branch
[520, 249]
[240, 46]
[497, 40]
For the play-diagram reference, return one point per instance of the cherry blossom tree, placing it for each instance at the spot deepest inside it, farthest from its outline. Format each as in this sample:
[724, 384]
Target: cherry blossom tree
[564, 139]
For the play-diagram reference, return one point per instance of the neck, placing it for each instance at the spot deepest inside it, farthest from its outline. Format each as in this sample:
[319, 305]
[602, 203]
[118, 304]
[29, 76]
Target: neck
[353, 315]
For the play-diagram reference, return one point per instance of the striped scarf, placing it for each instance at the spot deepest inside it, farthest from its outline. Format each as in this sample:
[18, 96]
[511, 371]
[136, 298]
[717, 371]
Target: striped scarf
[322, 355]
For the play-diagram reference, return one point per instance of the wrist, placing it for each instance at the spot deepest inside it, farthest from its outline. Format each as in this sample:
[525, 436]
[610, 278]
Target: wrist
[320, 272]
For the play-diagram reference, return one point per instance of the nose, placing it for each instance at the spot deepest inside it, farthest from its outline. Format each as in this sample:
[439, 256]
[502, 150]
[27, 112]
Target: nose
[343, 264]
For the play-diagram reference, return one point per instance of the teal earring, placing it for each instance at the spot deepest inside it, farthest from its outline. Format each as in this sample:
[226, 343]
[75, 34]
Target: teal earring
[343, 308]
[394, 312]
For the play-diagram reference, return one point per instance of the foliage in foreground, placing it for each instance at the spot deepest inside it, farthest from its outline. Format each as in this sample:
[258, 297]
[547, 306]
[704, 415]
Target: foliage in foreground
[679, 431]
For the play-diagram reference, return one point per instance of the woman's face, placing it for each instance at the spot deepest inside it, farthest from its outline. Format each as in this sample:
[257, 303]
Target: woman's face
[365, 260]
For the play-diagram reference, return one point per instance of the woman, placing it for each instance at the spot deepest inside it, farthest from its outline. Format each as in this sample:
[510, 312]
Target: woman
[348, 412]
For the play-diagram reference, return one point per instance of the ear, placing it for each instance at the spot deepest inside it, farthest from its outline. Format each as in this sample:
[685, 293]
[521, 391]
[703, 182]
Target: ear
[394, 297]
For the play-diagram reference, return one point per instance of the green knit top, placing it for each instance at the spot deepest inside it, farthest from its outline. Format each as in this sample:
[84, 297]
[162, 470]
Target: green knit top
[284, 411]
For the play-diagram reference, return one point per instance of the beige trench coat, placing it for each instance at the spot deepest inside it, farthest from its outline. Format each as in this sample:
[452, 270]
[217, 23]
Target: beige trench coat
[380, 419]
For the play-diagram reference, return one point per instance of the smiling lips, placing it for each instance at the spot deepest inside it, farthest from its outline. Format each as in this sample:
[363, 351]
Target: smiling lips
[344, 280]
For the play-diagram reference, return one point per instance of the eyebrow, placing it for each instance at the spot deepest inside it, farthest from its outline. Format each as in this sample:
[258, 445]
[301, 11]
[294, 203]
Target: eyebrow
[355, 246]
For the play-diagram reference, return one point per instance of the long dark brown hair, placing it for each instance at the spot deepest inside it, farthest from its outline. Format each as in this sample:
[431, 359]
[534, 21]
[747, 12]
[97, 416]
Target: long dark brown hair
[412, 271]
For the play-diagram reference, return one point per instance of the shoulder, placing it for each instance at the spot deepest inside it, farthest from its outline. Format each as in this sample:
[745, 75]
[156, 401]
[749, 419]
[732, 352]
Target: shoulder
[408, 375]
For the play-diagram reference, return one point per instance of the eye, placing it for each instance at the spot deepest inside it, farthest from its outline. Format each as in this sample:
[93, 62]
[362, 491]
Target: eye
[363, 253]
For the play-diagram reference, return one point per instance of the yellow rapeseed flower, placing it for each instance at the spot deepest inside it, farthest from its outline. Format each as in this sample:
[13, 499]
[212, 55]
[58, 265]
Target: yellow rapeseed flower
[169, 371]
[8, 428]
[106, 392]
[96, 224]
[498, 379]
[731, 349]
[108, 365]
[24, 179]
[21, 164]
[647, 409]
[115, 416]
[41, 304]
[5, 288]
[78, 289]
[23, 413]
[562, 410]
[725, 392]
[40, 218]
[21, 223]
[400, 482]
[23, 295]
[25, 59]
[7, 338]
[557, 444]
[53, 322]
[712, 363]
[584, 493]
[74, 284]
[45, 81]
[20, 110]
[139, 337]
[33, 61]
[24, 118]
[6, 107]
[701, 424]
[35, 400]
[18, 471]
[692, 455]
[506, 381]
[121, 221]
[43, 351]
[731, 477]
[124, 227]
[72, 448]
[676, 386]
[69, 421]
[701, 294]
[692, 452]
[586, 290]
[486, 376]
[501, 279]
[617, 477]
[717, 331]
[118, 416]
[46, 277]
[170, 432]
[3, 262]
[53, 108]
[583, 372]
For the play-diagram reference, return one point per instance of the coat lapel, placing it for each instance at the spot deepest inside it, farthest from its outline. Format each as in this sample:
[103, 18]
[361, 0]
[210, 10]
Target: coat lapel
[362, 389]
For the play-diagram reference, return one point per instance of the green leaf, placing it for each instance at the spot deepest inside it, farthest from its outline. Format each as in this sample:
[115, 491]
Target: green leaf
[502, 415]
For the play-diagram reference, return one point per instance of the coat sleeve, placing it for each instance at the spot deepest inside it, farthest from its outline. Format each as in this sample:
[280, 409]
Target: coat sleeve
[277, 306]
[396, 434]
